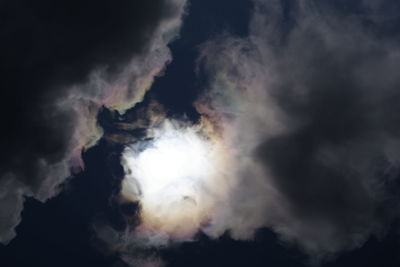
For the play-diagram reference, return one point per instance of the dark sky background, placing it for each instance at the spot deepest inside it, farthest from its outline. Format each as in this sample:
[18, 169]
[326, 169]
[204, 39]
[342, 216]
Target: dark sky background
[60, 232]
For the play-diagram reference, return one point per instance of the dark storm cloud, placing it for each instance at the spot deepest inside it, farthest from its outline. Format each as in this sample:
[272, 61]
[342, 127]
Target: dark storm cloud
[60, 62]
[313, 94]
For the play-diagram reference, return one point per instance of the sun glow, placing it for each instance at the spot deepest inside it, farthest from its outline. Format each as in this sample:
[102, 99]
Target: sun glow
[172, 176]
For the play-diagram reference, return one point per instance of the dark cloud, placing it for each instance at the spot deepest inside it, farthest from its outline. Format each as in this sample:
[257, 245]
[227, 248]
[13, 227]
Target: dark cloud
[60, 62]
[314, 94]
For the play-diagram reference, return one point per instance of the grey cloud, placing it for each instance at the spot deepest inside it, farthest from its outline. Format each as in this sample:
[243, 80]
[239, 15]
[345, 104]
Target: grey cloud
[312, 99]
[61, 63]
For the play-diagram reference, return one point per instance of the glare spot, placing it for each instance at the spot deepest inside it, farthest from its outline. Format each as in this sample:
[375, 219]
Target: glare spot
[170, 176]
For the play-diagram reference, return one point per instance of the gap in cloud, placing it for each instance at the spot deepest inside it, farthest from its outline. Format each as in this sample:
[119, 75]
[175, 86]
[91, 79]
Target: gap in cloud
[179, 87]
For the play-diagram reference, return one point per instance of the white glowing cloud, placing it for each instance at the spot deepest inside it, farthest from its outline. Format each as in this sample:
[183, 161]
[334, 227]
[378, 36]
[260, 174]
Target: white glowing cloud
[175, 179]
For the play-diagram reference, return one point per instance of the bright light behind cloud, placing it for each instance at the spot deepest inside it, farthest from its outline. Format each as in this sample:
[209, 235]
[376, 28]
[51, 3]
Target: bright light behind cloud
[174, 178]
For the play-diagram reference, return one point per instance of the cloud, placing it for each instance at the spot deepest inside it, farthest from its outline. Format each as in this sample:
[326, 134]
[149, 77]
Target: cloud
[62, 62]
[308, 103]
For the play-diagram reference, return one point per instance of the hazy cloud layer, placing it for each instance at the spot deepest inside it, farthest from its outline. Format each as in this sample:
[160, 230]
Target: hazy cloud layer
[309, 103]
[62, 61]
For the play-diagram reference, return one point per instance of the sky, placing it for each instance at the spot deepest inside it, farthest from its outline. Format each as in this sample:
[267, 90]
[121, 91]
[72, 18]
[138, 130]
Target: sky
[200, 133]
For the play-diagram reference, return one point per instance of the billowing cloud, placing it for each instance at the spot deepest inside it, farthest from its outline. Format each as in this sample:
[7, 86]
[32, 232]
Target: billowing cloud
[308, 104]
[298, 132]
[62, 62]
